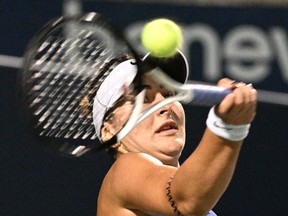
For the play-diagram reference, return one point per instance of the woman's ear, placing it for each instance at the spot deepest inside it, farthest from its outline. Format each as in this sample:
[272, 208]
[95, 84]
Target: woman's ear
[106, 133]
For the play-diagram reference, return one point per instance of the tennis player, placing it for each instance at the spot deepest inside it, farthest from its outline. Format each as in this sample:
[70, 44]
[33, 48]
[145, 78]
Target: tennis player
[146, 177]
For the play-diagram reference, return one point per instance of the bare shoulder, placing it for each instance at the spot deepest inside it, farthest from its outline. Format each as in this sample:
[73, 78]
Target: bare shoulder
[133, 165]
[135, 181]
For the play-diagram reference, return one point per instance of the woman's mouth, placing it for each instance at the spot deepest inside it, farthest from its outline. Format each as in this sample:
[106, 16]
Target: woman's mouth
[168, 128]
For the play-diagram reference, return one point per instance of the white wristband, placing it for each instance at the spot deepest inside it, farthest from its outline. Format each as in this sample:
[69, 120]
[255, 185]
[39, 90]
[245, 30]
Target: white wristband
[227, 131]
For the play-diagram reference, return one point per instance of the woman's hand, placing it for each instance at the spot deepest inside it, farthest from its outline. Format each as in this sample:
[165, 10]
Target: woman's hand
[239, 107]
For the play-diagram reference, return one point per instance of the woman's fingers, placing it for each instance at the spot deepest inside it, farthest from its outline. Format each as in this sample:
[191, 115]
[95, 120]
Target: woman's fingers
[239, 107]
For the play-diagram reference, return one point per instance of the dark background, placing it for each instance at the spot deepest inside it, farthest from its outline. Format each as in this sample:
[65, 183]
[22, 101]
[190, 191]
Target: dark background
[37, 181]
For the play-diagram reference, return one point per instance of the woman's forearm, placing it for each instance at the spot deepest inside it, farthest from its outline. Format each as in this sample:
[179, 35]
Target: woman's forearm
[205, 175]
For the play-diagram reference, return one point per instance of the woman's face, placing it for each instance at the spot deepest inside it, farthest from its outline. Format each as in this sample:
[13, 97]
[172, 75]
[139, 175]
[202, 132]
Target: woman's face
[162, 134]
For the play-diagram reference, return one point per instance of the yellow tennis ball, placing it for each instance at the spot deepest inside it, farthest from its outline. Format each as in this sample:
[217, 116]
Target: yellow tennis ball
[161, 37]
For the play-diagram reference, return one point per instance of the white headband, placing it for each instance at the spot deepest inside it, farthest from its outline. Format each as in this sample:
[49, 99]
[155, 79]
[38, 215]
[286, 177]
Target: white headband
[111, 90]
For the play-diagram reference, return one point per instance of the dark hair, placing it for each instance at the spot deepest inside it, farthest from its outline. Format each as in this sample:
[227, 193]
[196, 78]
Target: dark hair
[89, 94]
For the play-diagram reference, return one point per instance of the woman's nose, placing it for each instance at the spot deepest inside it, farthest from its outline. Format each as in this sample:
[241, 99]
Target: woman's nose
[165, 110]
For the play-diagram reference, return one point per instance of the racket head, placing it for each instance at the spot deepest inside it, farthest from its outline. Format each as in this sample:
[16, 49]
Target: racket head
[65, 61]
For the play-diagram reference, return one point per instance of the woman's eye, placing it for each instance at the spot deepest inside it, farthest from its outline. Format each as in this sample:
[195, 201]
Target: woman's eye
[168, 94]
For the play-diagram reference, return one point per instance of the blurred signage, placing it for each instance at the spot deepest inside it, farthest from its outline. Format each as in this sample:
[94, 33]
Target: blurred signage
[242, 43]
[245, 52]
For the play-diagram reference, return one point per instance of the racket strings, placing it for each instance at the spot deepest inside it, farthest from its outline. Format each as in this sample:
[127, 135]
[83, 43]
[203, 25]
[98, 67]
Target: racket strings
[60, 75]
[65, 70]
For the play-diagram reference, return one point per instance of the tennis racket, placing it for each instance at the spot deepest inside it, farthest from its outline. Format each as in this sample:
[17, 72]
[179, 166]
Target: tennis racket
[66, 61]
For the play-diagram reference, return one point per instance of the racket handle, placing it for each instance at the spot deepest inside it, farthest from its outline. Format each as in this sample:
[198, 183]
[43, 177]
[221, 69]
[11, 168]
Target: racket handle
[204, 95]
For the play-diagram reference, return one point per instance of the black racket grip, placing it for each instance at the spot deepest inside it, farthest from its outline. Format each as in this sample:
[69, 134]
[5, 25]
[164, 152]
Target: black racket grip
[209, 96]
